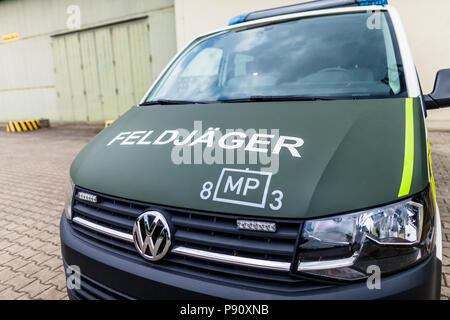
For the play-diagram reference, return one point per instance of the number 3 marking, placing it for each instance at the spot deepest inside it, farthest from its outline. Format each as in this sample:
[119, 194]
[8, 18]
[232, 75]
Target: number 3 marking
[279, 197]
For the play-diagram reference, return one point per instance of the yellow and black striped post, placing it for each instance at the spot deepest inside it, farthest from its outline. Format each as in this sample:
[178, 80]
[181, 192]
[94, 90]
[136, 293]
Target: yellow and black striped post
[108, 123]
[22, 126]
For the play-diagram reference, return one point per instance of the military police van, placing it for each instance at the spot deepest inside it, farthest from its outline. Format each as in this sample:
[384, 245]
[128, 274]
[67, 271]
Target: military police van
[284, 156]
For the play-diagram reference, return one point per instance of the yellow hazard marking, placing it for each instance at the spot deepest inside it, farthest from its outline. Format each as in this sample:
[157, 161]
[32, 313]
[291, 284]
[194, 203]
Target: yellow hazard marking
[16, 125]
[10, 37]
[29, 126]
[24, 127]
[33, 123]
[108, 123]
[408, 165]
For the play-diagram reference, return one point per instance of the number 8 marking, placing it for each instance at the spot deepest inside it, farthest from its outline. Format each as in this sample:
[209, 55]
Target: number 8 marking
[207, 188]
[278, 199]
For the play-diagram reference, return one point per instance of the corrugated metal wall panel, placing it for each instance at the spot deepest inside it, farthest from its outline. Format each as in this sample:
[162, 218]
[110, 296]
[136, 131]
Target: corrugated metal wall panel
[161, 40]
[75, 76]
[122, 66]
[140, 53]
[62, 70]
[102, 71]
[91, 79]
[106, 74]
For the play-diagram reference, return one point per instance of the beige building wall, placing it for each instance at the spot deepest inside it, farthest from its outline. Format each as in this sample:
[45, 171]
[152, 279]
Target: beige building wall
[426, 22]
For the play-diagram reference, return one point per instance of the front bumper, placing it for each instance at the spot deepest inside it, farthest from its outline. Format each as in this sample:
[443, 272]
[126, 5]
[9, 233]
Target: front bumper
[107, 275]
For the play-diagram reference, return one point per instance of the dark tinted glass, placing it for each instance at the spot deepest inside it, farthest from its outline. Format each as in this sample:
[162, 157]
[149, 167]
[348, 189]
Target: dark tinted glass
[349, 55]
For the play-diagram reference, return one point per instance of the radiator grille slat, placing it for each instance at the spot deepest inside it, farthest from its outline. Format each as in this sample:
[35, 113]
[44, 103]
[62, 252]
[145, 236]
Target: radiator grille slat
[229, 227]
[243, 245]
[103, 216]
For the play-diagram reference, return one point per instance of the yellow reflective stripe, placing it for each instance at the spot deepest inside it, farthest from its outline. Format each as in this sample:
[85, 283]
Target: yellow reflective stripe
[433, 186]
[408, 165]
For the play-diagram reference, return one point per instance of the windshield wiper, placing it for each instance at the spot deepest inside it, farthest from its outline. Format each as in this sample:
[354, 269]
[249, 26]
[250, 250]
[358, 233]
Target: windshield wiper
[170, 102]
[249, 99]
[276, 98]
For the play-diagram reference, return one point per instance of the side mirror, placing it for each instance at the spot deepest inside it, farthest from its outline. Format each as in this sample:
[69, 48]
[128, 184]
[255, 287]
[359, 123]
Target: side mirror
[440, 97]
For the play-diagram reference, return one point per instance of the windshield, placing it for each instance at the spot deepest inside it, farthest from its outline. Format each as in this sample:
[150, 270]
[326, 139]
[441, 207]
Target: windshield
[338, 56]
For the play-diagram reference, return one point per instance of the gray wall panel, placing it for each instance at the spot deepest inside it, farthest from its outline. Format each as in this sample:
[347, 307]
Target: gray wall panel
[28, 79]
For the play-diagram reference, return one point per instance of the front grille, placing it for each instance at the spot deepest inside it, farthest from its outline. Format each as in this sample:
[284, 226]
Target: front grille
[209, 232]
[92, 290]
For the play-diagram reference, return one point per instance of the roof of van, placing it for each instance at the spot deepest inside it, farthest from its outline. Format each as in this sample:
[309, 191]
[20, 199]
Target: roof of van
[303, 7]
[291, 16]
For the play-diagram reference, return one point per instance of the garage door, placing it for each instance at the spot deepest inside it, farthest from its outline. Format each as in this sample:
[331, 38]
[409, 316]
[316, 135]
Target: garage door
[102, 72]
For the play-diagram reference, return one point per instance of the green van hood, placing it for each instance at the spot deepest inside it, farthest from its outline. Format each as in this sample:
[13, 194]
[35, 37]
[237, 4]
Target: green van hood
[353, 158]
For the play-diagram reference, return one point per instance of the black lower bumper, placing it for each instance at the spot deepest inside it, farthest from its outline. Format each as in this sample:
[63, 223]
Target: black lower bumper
[107, 275]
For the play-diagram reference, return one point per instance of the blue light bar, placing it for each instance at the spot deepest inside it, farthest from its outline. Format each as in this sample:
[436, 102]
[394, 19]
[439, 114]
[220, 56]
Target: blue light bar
[372, 2]
[303, 7]
[238, 19]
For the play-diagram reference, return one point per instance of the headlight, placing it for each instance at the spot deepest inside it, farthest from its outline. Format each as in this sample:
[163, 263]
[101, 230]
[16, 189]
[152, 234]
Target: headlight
[392, 238]
[68, 195]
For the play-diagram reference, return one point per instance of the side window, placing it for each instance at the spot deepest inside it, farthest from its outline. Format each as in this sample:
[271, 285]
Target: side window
[205, 64]
[240, 64]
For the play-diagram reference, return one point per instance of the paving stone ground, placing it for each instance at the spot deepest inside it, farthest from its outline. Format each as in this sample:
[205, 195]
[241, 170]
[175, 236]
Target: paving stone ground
[440, 151]
[33, 171]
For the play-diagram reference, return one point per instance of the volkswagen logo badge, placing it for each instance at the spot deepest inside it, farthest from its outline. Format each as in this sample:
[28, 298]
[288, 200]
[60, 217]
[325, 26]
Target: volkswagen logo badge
[151, 235]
